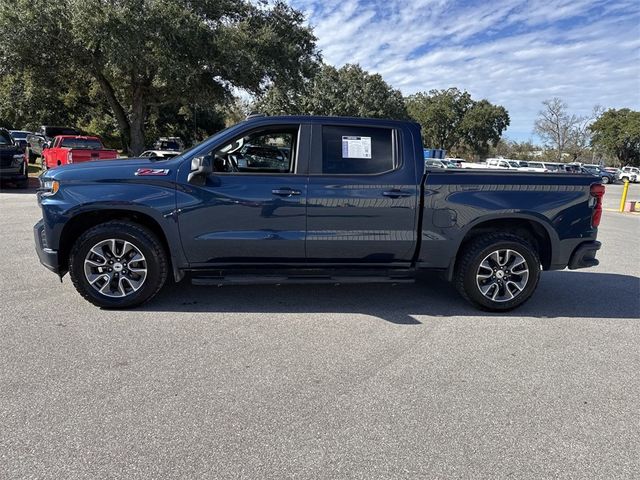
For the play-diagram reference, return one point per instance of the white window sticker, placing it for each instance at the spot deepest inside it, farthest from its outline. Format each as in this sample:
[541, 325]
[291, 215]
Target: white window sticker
[356, 147]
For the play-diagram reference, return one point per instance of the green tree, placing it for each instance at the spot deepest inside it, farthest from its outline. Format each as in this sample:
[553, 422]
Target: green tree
[346, 91]
[515, 150]
[482, 126]
[617, 133]
[33, 99]
[524, 151]
[143, 55]
[452, 120]
[440, 113]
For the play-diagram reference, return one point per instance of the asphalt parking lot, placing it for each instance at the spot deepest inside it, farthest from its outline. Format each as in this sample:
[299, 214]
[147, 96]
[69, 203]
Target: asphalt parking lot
[321, 381]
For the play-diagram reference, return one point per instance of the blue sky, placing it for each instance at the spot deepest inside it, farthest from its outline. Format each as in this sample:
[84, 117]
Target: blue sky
[516, 53]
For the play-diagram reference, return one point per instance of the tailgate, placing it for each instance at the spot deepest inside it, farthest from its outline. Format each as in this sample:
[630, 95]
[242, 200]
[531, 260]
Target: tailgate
[85, 155]
[107, 154]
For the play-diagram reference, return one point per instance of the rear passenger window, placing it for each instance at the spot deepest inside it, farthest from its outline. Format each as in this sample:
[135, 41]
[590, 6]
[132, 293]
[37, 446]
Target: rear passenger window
[357, 150]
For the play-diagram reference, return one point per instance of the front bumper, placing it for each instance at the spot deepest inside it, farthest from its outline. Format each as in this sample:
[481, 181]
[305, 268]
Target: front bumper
[47, 256]
[584, 256]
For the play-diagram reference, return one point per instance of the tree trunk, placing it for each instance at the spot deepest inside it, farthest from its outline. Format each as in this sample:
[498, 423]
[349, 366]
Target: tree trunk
[138, 115]
[121, 116]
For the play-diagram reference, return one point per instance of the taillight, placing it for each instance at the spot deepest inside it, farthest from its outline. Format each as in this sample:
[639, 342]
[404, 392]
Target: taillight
[69, 156]
[597, 192]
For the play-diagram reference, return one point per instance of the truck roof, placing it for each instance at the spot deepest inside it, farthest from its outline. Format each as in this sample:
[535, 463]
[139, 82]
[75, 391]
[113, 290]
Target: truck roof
[324, 119]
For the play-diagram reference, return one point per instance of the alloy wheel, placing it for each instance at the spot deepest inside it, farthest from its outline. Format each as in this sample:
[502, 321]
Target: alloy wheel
[502, 275]
[115, 268]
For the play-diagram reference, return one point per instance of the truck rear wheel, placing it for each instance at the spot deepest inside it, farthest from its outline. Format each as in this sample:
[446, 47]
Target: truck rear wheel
[497, 271]
[118, 264]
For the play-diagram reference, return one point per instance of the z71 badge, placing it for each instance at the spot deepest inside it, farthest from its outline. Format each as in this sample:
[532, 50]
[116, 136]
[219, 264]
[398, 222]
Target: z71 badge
[152, 171]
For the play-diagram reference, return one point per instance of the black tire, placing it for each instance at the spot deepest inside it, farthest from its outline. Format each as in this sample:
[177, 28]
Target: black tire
[31, 157]
[605, 179]
[143, 239]
[24, 183]
[473, 254]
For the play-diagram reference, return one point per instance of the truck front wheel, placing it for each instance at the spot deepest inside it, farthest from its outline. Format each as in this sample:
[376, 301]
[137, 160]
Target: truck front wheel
[118, 264]
[497, 271]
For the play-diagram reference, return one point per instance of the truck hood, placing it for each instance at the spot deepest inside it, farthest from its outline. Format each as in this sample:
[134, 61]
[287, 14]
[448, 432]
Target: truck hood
[104, 170]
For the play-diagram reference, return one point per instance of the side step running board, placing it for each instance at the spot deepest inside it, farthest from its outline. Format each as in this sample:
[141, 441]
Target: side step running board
[279, 279]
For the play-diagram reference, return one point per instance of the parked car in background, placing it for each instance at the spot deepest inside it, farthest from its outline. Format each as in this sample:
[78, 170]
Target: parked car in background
[464, 164]
[573, 168]
[606, 177]
[630, 174]
[547, 166]
[169, 143]
[13, 164]
[75, 149]
[455, 161]
[554, 166]
[20, 137]
[508, 164]
[617, 172]
[159, 154]
[434, 162]
[502, 163]
[38, 141]
[358, 208]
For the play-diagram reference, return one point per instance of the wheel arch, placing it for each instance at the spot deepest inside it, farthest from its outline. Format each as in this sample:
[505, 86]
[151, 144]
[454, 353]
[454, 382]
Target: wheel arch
[538, 232]
[85, 220]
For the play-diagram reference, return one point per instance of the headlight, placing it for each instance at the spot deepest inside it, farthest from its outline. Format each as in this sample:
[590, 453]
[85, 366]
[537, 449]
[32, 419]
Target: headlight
[49, 187]
[18, 159]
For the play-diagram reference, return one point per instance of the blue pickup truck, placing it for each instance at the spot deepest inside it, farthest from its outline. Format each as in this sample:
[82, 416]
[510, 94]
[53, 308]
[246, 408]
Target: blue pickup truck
[311, 199]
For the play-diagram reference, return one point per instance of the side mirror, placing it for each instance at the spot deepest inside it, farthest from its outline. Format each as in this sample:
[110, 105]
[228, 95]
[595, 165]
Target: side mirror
[201, 167]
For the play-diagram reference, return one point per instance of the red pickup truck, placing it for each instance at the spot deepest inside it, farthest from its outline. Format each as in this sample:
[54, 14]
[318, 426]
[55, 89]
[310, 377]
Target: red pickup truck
[67, 149]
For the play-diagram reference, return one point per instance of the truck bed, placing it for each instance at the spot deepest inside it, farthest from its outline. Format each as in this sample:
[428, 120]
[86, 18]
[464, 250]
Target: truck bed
[454, 201]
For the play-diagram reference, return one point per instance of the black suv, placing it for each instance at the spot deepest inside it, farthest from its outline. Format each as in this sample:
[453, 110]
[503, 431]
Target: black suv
[13, 163]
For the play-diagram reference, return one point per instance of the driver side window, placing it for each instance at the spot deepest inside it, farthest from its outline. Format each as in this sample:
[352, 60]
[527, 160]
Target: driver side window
[271, 150]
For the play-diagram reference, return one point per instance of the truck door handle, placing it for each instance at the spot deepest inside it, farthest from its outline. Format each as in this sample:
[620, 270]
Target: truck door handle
[285, 192]
[396, 194]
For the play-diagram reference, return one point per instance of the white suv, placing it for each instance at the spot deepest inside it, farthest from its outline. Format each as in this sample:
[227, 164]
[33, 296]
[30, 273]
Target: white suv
[631, 174]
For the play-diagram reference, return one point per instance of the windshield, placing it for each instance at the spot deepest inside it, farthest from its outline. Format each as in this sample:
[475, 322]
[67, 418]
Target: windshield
[86, 143]
[5, 138]
[514, 164]
[19, 135]
[200, 146]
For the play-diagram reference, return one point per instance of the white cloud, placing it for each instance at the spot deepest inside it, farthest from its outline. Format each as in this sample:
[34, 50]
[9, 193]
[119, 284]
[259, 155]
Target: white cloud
[513, 52]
